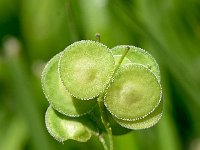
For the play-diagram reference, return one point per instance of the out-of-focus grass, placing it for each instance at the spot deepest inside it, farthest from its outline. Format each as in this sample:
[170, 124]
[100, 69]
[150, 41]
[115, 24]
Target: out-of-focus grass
[169, 30]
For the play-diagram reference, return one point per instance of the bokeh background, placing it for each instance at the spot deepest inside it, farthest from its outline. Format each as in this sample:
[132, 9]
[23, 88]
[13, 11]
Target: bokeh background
[32, 31]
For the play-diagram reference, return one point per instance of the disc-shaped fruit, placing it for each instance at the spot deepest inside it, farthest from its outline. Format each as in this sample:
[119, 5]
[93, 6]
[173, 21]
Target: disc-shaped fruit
[145, 122]
[86, 68]
[63, 128]
[140, 56]
[58, 96]
[134, 93]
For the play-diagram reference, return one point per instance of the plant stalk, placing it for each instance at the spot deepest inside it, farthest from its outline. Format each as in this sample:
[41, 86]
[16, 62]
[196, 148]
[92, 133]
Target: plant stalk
[105, 121]
[104, 117]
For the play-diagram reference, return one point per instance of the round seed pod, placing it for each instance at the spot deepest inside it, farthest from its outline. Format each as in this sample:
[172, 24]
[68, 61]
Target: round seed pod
[63, 128]
[58, 96]
[145, 122]
[140, 56]
[86, 68]
[134, 94]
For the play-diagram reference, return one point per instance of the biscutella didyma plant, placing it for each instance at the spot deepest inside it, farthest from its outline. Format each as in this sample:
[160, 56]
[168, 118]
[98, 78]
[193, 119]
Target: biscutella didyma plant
[96, 91]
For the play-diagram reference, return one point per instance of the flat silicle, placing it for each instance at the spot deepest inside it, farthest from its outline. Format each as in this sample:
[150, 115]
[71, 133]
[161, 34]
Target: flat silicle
[134, 93]
[140, 56]
[86, 68]
[58, 96]
[63, 128]
[145, 122]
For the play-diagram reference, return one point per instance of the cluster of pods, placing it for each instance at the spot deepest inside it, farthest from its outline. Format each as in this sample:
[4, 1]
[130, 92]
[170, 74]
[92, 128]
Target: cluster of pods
[128, 85]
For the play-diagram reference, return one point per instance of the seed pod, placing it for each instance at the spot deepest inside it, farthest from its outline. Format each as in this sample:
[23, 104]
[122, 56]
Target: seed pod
[58, 96]
[63, 128]
[134, 93]
[139, 56]
[145, 122]
[86, 68]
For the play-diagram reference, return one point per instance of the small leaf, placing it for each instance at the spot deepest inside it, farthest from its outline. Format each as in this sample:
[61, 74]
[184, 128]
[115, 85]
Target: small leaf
[134, 93]
[145, 122]
[86, 68]
[58, 96]
[63, 128]
[140, 56]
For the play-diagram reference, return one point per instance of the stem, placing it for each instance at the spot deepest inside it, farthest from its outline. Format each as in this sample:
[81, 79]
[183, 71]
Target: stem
[104, 117]
[121, 59]
[105, 121]
[103, 142]
[117, 67]
[98, 37]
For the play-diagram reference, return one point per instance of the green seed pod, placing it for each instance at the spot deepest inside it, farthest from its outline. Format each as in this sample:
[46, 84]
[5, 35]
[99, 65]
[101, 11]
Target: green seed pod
[86, 68]
[134, 94]
[140, 56]
[58, 96]
[63, 128]
[145, 122]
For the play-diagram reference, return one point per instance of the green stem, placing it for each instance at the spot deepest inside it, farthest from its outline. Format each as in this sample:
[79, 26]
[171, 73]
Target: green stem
[104, 117]
[105, 121]
[98, 37]
[121, 59]
[117, 67]
[103, 142]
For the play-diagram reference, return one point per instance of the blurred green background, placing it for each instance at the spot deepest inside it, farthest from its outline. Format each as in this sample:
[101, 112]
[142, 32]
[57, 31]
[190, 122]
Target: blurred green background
[32, 31]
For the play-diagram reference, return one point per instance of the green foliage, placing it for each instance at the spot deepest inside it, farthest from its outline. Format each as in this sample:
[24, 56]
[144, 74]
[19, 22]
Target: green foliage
[86, 70]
